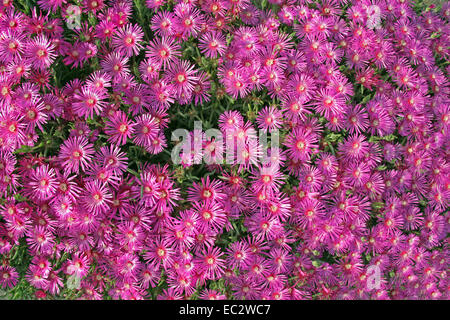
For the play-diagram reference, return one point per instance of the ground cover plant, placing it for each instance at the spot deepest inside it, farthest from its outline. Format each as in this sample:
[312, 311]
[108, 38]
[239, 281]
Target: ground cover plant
[100, 199]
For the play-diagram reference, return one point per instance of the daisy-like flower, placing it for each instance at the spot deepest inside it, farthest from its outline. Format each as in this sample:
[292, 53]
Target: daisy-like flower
[211, 216]
[354, 147]
[119, 128]
[72, 53]
[170, 294]
[105, 30]
[187, 20]
[294, 109]
[302, 86]
[148, 189]
[40, 52]
[381, 123]
[99, 80]
[78, 265]
[96, 197]
[41, 78]
[115, 65]
[102, 174]
[18, 70]
[80, 238]
[89, 101]
[270, 59]
[88, 51]
[230, 120]
[162, 95]
[37, 279]
[182, 281]
[237, 86]
[238, 255]
[212, 44]
[112, 158]
[149, 276]
[93, 5]
[167, 196]
[126, 40]
[154, 4]
[216, 7]
[67, 187]
[7, 161]
[13, 20]
[163, 50]
[75, 154]
[162, 23]
[26, 94]
[42, 183]
[6, 91]
[149, 69]
[146, 130]
[208, 294]
[356, 120]
[206, 190]
[267, 179]
[340, 85]
[130, 236]
[356, 174]
[12, 46]
[182, 76]
[328, 104]
[158, 144]
[159, 253]
[264, 226]
[34, 116]
[269, 119]
[211, 263]
[295, 61]
[179, 239]
[52, 106]
[40, 239]
[300, 143]
[124, 83]
[9, 277]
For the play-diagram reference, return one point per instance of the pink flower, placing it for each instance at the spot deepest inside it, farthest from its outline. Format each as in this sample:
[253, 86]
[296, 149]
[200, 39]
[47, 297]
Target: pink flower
[182, 77]
[127, 40]
[40, 52]
[75, 154]
[119, 128]
[164, 51]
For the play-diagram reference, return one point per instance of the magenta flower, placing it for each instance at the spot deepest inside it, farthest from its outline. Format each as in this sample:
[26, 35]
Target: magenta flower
[40, 53]
[164, 51]
[127, 40]
[88, 102]
[119, 128]
[300, 144]
[96, 197]
[162, 23]
[182, 77]
[115, 66]
[212, 44]
[40, 239]
[78, 265]
[8, 277]
[42, 184]
[211, 264]
[75, 154]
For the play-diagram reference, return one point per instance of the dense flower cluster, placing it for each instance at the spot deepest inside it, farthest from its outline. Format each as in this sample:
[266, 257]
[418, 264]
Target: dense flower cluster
[360, 181]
